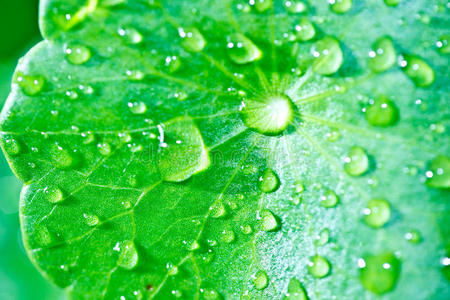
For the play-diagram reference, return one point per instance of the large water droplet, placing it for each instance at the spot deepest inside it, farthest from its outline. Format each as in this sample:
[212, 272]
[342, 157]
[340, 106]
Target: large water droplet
[438, 173]
[61, 157]
[30, 85]
[218, 210]
[296, 291]
[382, 112]
[268, 221]
[356, 162]
[128, 257]
[413, 236]
[417, 70]
[377, 213]
[260, 280]
[379, 273]
[130, 35]
[269, 181]
[270, 116]
[137, 107]
[328, 56]
[53, 194]
[77, 54]
[318, 266]
[242, 50]
[305, 30]
[382, 56]
[340, 6]
[329, 199]
[192, 39]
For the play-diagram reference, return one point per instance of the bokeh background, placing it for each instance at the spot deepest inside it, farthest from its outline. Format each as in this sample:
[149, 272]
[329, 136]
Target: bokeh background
[18, 277]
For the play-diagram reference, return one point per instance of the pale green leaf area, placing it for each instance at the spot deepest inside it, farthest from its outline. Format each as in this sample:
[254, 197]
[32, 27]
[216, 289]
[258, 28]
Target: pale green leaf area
[212, 150]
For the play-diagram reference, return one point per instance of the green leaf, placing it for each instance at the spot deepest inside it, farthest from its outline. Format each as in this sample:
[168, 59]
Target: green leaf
[207, 149]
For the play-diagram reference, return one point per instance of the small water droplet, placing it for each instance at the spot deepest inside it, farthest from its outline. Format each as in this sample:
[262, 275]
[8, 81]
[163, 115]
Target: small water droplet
[262, 5]
[43, 236]
[77, 54]
[61, 157]
[269, 181]
[210, 294]
[241, 49]
[413, 236]
[260, 280]
[130, 35]
[177, 293]
[53, 194]
[218, 210]
[12, 146]
[246, 229]
[91, 220]
[304, 30]
[382, 56]
[299, 187]
[192, 39]
[333, 136]
[268, 221]
[377, 213]
[295, 6]
[392, 2]
[417, 70]
[443, 45]
[382, 113]
[228, 236]
[356, 162]
[295, 291]
[438, 173]
[171, 269]
[88, 137]
[104, 148]
[329, 199]
[379, 273]
[137, 107]
[128, 257]
[323, 237]
[30, 84]
[172, 63]
[318, 266]
[135, 75]
[340, 6]
[328, 56]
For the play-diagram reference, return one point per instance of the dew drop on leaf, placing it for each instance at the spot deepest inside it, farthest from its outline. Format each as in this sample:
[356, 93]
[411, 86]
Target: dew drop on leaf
[377, 213]
[53, 194]
[241, 49]
[128, 257]
[295, 291]
[30, 84]
[379, 273]
[269, 181]
[443, 45]
[135, 75]
[340, 6]
[417, 70]
[191, 39]
[137, 107]
[333, 136]
[268, 221]
[104, 148]
[91, 220]
[295, 6]
[228, 236]
[438, 173]
[329, 199]
[43, 235]
[130, 35]
[12, 146]
[246, 229]
[299, 187]
[263, 5]
[328, 56]
[323, 237]
[260, 280]
[61, 157]
[88, 137]
[356, 162]
[172, 63]
[382, 56]
[304, 30]
[210, 294]
[318, 266]
[413, 236]
[392, 2]
[382, 112]
[171, 269]
[218, 210]
[77, 54]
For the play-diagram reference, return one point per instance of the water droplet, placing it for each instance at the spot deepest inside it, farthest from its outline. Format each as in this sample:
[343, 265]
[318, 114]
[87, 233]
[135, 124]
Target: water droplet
[413, 236]
[379, 273]
[210, 294]
[125, 137]
[443, 45]
[12, 146]
[192, 39]
[333, 136]
[323, 237]
[340, 6]
[77, 54]
[295, 291]
[218, 210]
[53, 194]
[270, 116]
[329, 199]
[43, 236]
[171, 269]
[260, 280]
[71, 95]
[228, 236]
[328, 56]
[392, 2]
[91, 220]
[172, 63]
[305, 30]
[382, 113]
[104, 148]
[417, 70]
[269, 181]
[30, 85]
[262, 5]
[176, 293]
[268, 221]
[88, 137]
[241, 49]
[295, 6]
[137, 108]
[319, 266]
[130, 35]
[128, 257]
[61, 157]
[194, 246]
[356, 162]
[438, 173]
[299, 187]
[135, 75]
[382, 56]
[377, 213]
[246, 229]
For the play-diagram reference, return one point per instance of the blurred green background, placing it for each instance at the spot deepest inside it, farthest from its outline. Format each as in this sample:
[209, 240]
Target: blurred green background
[18, 277]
